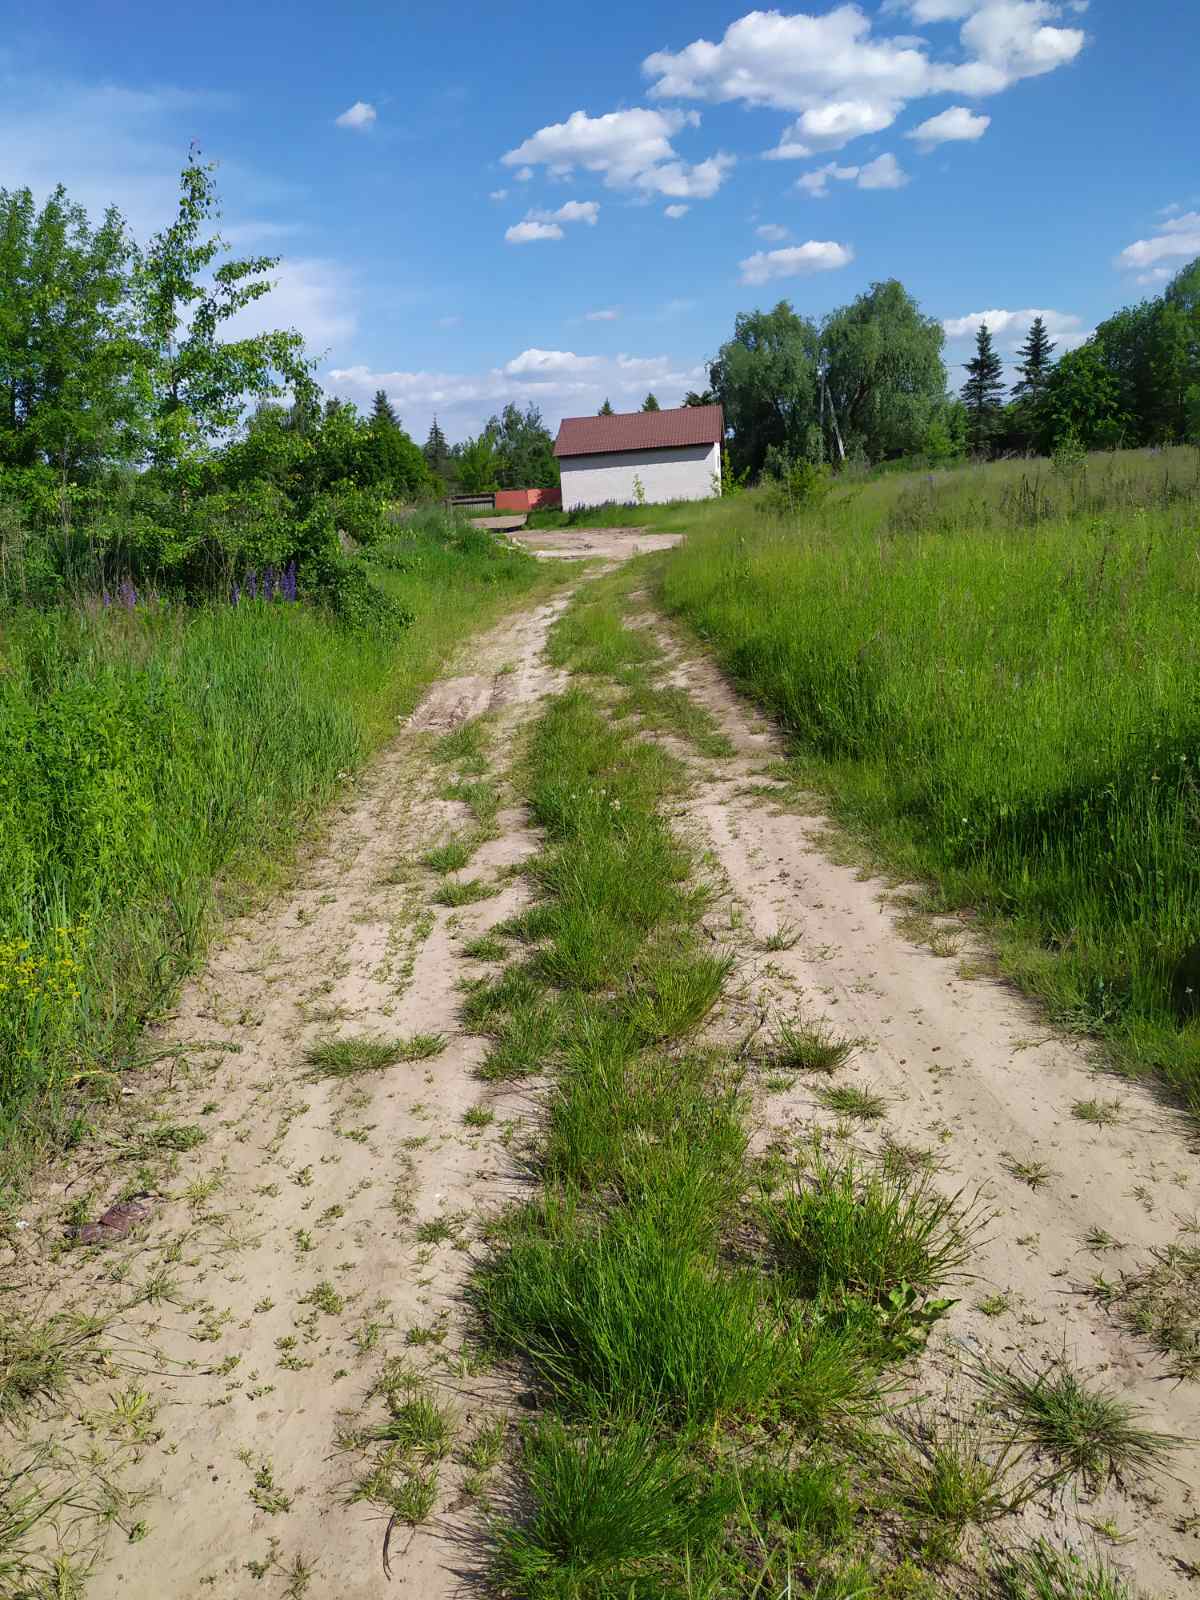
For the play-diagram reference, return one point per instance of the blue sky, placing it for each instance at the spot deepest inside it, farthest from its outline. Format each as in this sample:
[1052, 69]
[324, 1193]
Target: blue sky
[558, 203]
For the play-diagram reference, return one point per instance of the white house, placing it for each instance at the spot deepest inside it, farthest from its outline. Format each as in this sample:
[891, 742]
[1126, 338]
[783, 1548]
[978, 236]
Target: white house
[641, 456]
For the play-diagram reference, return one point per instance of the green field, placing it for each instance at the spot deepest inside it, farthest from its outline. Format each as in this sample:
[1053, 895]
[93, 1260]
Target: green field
[154, 758]
[993, 675]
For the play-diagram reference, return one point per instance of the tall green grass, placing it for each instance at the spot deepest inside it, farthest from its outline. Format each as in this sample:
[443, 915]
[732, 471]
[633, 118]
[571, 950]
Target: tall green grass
[994, 674]
[147, 755]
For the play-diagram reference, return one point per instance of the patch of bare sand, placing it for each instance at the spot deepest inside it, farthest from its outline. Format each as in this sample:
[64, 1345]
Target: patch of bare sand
[323, 1224]
[973, 1075]
[610, 544]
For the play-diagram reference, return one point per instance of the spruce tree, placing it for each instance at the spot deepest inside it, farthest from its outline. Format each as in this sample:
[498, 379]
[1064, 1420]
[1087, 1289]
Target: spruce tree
[1034, 364]
[436, 449]
[982, 392]
[381, 410]
[650, 403]
[606, 409]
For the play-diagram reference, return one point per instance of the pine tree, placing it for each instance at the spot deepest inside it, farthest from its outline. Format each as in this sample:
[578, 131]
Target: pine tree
[650, 403]
[982, 391]
[436, 449]
[1034, 364]
[606, 409]
[382, 411]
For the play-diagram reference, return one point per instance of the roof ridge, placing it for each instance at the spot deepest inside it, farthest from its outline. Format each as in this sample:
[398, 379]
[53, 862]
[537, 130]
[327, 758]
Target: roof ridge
[676, 427]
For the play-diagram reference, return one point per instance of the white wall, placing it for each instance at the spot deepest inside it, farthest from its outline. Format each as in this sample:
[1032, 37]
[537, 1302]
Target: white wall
[684, 473]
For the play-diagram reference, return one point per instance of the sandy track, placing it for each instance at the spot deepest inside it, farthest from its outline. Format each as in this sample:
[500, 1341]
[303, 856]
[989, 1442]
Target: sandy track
[975, 1075]
[252, 1368]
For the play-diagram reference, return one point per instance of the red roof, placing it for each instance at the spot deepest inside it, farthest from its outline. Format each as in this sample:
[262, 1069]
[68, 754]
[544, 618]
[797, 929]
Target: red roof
[640, 430]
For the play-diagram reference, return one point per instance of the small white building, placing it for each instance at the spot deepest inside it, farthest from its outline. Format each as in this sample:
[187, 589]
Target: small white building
[641, 457]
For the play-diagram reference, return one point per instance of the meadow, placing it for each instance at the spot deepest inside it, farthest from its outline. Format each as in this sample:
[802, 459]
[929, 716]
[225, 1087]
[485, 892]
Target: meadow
[156, 758]
[992, 677]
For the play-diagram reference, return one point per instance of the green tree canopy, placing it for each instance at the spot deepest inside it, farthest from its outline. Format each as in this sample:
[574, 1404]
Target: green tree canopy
[436, 450]
[983, 391]
[883, 370]
[381, 409]
[478, 466]
[650, 403]
[199, 383]
[1034, 364]
[766, 379]
[1082, 400]
[606, 409]
[524, 449]
[68, 359]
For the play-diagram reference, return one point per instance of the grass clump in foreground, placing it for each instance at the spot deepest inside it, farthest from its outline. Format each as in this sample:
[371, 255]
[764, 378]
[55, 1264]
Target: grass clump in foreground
[1089, 1432]
[943, 650]
[146, 754]
[346, 1058]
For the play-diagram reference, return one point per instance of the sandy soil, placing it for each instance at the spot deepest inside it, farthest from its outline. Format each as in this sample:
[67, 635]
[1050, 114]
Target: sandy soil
[281, 1265]
[302, 1182]
[612, 544]
[975, 1075]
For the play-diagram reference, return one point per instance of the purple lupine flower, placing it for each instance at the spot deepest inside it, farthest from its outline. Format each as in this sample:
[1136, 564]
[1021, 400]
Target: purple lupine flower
[105, 598]
[235, 593]
[268, 588]
[128, 594]
[250, 583]
[288, 581]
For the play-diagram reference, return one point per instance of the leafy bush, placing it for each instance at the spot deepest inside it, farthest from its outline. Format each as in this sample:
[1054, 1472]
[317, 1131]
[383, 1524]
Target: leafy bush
[346, 586]
[793, 484]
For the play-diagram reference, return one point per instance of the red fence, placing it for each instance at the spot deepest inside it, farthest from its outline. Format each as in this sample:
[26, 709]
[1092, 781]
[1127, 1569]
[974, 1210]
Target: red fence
[527, 499]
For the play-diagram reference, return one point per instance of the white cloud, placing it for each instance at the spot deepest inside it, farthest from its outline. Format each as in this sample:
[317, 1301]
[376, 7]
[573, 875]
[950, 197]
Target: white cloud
[538, 225]
[831, 126]
[772, 232]
[885, 172]
[606, 314]
[628, 149]
[545, 361]
[532, 232]
[678, 179]
[816, 184]
[360, 116]
[817, 255]
[1178, 239]
[844, 80]
[675, 212]
[524, 175]
[1155, 275]
[1009, 328]
[498, 194]
[955, 123]
[311, 294]
[573, 211]
[558, 381]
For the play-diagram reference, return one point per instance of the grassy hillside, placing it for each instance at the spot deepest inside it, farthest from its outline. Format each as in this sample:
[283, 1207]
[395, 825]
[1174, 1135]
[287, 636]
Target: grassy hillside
[994, 674]
[146, 750]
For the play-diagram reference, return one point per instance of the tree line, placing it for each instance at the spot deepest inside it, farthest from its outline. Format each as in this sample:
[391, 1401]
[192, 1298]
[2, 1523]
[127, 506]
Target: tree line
[868, 383]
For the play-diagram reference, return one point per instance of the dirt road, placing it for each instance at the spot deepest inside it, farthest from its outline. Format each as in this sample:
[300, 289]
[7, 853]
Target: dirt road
[312, 1221]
